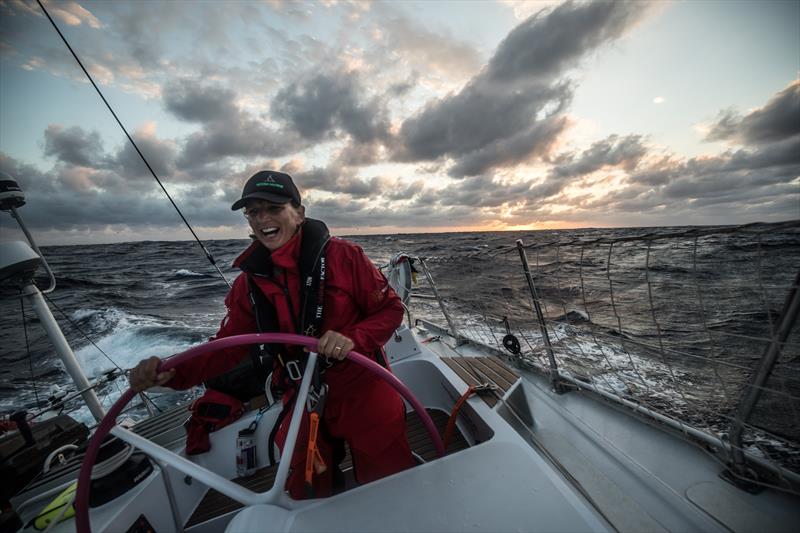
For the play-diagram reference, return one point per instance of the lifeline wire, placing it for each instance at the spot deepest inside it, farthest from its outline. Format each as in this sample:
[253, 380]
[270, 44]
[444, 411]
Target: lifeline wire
[28, 348]
[91, 80]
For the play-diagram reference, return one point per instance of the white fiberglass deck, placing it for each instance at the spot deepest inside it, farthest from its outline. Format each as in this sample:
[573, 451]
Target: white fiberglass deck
[495, 486]
[639, 475]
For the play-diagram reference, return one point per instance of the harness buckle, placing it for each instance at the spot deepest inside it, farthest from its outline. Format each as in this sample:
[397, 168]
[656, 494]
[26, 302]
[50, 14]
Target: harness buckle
[315, 402]
[293, 369]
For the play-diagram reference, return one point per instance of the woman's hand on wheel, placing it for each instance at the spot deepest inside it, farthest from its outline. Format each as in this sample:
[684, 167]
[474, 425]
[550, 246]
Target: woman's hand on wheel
[334, 345]
[146, 374]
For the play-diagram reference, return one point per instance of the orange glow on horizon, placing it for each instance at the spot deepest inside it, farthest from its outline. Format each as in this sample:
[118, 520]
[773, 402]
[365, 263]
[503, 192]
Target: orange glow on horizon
[493, 226]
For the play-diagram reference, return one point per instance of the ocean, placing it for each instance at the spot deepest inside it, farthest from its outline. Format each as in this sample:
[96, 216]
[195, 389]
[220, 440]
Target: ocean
[621, 307]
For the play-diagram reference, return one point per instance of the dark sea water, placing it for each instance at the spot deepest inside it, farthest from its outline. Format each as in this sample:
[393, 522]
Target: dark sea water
[676, 322]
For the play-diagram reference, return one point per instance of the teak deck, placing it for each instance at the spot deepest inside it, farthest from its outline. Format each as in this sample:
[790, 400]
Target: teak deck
[481, 370]
[215, 504]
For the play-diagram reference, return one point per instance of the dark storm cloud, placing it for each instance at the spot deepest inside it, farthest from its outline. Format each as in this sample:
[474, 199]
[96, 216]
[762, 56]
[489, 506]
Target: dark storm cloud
[160, 154]
[738, 179]
[242, 137]
[332, 179]
[479, 191]
[55, 202]
[76, 147]
[535, 140]
[404, 191]
[501, 117]
[547, 44]
[359, 154]
[614, 151]
[73, 145]
[401, 88]
[25, 175]
[226, 129]
[625, 152]
[193, 102]
[778, 119]
[782, 158]
[322, 178]
[318, 105]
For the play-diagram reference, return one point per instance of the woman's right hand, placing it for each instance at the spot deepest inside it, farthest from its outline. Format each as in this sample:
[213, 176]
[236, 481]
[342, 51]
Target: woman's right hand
[146, 375]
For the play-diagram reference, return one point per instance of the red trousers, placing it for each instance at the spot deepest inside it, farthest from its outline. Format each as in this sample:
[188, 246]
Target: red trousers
[371, 418]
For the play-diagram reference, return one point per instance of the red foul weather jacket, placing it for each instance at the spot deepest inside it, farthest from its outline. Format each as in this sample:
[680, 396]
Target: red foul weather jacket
[358, 303]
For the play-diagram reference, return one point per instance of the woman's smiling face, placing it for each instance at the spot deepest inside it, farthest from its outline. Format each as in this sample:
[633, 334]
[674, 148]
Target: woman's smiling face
[273, 224]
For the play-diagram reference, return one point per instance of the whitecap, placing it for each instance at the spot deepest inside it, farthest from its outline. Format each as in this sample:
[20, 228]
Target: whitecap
[185, 273]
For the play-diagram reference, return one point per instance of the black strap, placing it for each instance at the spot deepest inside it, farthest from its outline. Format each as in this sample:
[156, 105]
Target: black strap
[312, 276]
[266, 320]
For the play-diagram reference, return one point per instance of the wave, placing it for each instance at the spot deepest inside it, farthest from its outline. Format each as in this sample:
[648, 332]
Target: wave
[134, 338]
[67, 282]
[48, 373]
[574, 316]
[185, 273]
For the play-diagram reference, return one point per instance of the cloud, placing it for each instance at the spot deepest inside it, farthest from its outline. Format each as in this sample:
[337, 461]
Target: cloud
[193, 102]
[535, 140]
[625, 152]
[239, 137]
[73, 145]
[545, 45]
[508, 113]
[226, 129]
[160, 154]
[778, 119]
[480, 192]
[72, 14]
[436, 52]
[741, 178]
[320, 104]
[525, 8]
[67, 197]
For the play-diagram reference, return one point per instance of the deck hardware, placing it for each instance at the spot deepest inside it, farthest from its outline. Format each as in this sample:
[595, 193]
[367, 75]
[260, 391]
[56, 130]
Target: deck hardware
[453, 331]
[510, 342]
[555, 379]
[293, 368]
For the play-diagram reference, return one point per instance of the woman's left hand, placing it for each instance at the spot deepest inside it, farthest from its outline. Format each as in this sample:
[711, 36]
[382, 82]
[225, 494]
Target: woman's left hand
[334, 345]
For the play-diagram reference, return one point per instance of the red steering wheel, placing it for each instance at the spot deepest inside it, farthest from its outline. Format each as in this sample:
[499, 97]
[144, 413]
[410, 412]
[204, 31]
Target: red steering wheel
[108, 422]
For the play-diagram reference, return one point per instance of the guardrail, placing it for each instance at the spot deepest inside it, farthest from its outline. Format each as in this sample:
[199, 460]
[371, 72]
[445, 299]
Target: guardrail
[695, 326]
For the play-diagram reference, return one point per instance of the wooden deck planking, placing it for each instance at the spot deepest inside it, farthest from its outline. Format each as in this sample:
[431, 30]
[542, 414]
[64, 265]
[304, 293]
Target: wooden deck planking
[215, 504]
[473, 370]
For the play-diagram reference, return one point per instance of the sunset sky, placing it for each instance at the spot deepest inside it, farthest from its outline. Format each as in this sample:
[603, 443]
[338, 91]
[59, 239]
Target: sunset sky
[402, 116]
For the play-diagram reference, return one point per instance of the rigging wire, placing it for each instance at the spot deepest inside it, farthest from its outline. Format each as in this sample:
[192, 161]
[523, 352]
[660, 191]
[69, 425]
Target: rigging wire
[135, 146]
[74, 325]
[28, 348]
[146, 398]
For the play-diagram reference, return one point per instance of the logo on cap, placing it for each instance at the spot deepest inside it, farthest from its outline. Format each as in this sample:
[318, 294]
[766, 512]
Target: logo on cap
[269, 181]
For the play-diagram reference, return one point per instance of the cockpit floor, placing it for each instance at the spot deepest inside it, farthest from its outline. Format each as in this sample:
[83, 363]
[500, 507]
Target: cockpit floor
[215, 504]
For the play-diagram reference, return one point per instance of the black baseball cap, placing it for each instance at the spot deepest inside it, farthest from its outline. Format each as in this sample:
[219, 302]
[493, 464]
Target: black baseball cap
[269, 185]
